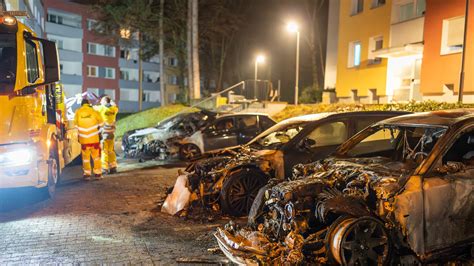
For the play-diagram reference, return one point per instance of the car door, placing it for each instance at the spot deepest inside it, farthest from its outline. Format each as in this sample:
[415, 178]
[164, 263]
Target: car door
[247, 128]
[449, 197]
[439, 214]
[220, 134]
[321, 140]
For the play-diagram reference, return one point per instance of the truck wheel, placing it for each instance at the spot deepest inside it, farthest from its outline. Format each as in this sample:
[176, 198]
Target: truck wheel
[240, 189]
[189, 151]
[53, 172]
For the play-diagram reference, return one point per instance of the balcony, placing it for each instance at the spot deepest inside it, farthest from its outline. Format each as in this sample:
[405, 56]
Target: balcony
[150, 86]
[62, 30]
[69, 55]
[147, 66]
[71, 79]
[407, 32]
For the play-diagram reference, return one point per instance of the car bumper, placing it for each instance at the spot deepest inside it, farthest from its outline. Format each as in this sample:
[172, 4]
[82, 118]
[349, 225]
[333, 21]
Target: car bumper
[24, 176]
[232, 250]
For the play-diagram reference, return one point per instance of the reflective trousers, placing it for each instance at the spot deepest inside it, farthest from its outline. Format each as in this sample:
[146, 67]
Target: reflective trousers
[109, 159]
[91, 151]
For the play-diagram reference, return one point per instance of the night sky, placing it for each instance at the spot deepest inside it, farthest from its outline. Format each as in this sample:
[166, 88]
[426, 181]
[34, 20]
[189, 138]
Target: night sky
[267, 34]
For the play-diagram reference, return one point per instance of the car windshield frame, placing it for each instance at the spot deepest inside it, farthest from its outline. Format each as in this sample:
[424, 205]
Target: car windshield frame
[275, 128]
[438, 130]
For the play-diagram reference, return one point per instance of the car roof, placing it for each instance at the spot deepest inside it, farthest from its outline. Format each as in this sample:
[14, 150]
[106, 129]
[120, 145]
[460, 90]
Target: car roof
[242, 114]
[444, 118]
[319, 116]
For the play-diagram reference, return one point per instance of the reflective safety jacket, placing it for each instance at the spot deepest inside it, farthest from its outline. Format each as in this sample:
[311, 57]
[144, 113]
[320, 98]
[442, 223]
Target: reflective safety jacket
[88, 121]
[109, 115]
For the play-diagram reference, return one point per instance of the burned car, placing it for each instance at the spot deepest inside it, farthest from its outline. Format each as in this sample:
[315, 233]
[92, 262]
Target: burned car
[226, 131]
[399, 192]
[160, 141]
[230, 179]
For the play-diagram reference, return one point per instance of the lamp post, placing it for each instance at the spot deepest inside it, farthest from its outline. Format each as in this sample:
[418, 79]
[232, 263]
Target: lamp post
[258, 59]
[293, 27]
[463, 57]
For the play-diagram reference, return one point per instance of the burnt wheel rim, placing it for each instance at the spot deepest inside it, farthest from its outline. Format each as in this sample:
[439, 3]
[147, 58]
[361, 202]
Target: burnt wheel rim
[365, 242]
[243, 192]
[190, 151]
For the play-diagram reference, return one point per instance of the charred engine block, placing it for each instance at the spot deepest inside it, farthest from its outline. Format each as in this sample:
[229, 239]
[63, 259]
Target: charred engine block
[290, 207]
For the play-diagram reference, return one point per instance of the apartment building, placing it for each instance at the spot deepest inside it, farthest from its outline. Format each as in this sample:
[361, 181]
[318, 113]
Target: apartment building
[35, 10]
[444, 32]
[89, 62]
[380, 50]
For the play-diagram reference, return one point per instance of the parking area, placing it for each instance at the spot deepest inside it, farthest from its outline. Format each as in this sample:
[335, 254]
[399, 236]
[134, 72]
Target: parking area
[115, 220]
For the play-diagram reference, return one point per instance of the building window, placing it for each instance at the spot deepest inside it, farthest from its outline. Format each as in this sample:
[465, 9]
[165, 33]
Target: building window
[151, 96]
[100, 49]
[375, 44]
[452, 35]
[31, 62]
[92, 71]
[357, 7]
[55, 19]
[377, 3]
[91, 48]
[354, 54]
[173, 80]
[173, 61]
[110, 73]
[70, 20]
[406, 10]
[94, 90]
[109, 51]
[124, 75]
[91, 24]
[129, 95]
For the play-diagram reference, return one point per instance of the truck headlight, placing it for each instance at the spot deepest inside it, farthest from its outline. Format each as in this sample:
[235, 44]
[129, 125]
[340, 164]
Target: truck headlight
[16, 157]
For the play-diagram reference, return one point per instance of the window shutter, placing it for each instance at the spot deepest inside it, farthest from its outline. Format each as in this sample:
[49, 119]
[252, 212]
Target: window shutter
[455, 31]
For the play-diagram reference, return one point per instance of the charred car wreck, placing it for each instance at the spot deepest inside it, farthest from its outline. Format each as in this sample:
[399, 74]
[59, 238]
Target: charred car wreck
[160, 141]
[189, 135]
[230, 179]
[399, 192]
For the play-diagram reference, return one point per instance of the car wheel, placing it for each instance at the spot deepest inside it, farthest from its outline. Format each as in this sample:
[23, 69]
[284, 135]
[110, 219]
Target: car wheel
[53, 172]
[188, 152]
[240, 190]
[359, 241]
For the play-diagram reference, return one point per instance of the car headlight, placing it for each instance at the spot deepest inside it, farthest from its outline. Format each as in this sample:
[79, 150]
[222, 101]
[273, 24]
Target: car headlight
[16, 157]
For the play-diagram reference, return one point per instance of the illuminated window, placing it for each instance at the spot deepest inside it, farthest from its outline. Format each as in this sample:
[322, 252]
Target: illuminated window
[452, 36]
[357, 7]
[354, 54]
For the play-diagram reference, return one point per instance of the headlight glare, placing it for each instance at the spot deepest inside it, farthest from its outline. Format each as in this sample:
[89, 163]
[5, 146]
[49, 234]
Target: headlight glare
[16, 157]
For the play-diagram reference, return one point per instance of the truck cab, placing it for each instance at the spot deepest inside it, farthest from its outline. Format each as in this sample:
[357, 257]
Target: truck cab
[36, 142]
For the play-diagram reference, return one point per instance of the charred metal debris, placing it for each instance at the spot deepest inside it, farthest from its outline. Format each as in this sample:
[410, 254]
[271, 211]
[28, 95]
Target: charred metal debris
[163, 141]
[359, 211]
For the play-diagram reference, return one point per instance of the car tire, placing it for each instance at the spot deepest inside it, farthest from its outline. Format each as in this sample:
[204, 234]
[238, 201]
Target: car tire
[53, 172]
[240, 189]
[364, 240]
[188, 152]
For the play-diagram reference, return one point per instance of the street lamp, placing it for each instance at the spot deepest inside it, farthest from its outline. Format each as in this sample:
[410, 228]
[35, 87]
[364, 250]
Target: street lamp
[258, 59]
[293, 27]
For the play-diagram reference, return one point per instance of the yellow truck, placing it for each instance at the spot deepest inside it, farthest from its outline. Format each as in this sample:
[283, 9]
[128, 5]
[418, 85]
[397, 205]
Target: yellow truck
[36, 140]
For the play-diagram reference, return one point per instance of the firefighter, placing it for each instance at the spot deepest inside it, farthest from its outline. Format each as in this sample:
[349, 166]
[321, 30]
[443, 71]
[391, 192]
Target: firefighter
[108, 111]
[88, 122]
